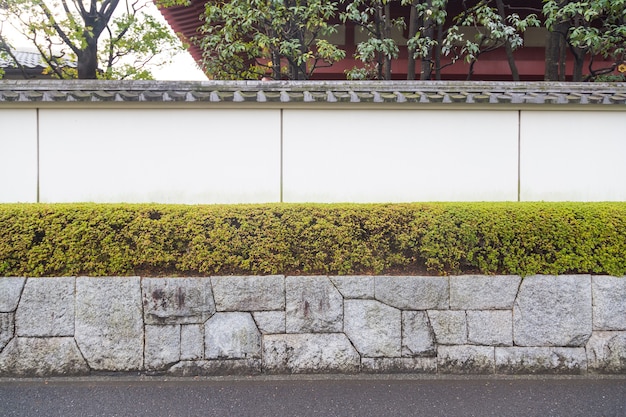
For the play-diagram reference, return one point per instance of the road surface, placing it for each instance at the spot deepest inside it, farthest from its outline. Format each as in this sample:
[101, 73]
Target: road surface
[315, 396]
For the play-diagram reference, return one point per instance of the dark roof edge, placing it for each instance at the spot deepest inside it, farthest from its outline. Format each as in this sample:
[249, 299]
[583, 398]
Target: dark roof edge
[473, 86]
[314, 91]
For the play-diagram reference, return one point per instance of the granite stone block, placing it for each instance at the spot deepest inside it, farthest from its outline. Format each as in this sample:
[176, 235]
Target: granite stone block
[10, 291]
[232, 336]
[46, 308]
[540, 360]
[553, 311]
[42, 357]
[374, 328]
[418, 338]
[109, 323]
[313, 305]
[270, 322]
[162, 346]
[191, 342]
[468, 359]
[177, 300]
[609, 303]
[490, 327]
[399, 365]
[449, 326]
[216, 367]
[606, 352]
[7, 328]
[481, 292]
[309, 353]
[412, 292]
[249, 293]
[360, 287]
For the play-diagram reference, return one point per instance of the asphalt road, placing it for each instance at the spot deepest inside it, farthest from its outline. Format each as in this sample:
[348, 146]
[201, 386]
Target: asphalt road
[314, 396]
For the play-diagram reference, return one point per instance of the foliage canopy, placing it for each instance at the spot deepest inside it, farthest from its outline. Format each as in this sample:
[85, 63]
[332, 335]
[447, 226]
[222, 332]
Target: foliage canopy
[290, 39]
[106, 39]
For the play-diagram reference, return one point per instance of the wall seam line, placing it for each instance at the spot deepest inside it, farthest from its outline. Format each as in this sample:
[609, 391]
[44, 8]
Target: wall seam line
[519, 157]
[38, 200]
[281, 155]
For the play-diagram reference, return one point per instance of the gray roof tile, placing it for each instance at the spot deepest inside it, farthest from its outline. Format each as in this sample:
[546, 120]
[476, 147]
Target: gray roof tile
[27, 59]
[332, 92]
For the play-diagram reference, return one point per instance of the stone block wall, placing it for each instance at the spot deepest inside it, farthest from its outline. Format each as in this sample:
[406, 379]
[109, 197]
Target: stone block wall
[570, 324]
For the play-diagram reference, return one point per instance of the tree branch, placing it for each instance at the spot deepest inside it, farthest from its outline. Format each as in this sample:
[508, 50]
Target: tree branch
[58, 28]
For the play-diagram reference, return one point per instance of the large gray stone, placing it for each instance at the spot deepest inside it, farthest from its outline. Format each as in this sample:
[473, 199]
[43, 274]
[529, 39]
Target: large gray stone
[418, 338]
[313, 305]
[46, 308]
[10, 291]
[481, 292]
[7, 328]
[413, 293]
[606, 352]
[399, 365]
[52, 356]
[109, 322]
[162, 346]
[270, 322]
[609, 303]
[490, 327]
[230, 367]
[361, 287]
[450, 327]
[249, 293]
[468, 359]
[309, 353]
[553, 311]
[232, 336]
[540, 360]
[374, 328]
[177, 300]
[191, 341]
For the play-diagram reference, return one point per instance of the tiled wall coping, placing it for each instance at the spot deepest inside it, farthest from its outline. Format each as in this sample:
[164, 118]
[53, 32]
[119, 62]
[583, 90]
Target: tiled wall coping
[299, 93]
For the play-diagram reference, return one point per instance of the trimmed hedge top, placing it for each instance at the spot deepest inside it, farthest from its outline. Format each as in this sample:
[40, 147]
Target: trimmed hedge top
[347, 239]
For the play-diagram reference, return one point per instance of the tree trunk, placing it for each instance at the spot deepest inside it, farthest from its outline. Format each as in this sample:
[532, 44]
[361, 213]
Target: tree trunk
[427, 61]
[276, 65]
[387, 30]
[410, 67]
[507, 46]
[87, 64]
[579, 62]
[438, 52]
[555, 53]
[426, 72]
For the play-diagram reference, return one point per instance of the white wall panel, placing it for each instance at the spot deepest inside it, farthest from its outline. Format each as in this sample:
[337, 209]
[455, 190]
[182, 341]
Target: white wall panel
[159, 155]
[400, 155]
[18, 155]
[573, 156]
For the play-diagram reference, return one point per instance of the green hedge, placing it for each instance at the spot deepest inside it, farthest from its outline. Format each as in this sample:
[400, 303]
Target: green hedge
[420, 238]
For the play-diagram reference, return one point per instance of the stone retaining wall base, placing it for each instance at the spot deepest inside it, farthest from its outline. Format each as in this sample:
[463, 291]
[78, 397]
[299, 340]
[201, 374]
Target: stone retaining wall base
[569, 324]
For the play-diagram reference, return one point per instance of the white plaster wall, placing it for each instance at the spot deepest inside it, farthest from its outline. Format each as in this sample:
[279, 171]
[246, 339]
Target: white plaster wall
[18, 155]
[400, 155]
[357, 155]
[573, 156]
[160, 155]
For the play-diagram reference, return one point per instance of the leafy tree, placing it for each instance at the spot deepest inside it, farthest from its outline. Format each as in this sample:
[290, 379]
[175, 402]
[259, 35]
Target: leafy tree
[380, 48]
[588, 29]
[251, 39]
[107, 39]
[4, 52]
[493, 28]
[425, 37]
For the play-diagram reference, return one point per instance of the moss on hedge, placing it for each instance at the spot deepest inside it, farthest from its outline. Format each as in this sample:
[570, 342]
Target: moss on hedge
[435, 238]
